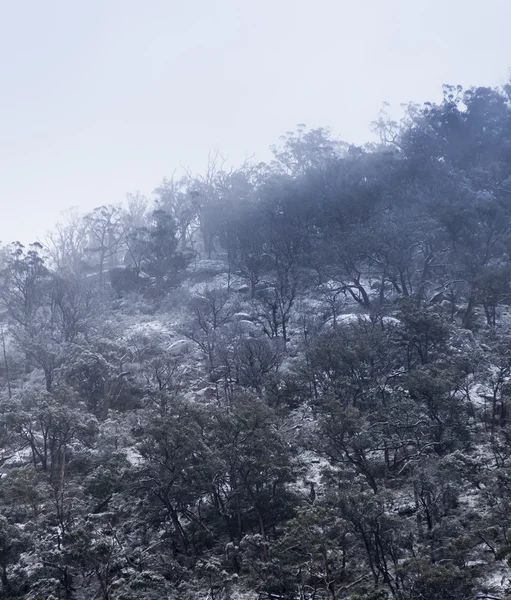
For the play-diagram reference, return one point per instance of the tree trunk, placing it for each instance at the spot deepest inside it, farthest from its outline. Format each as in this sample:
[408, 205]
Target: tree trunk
[106, 398]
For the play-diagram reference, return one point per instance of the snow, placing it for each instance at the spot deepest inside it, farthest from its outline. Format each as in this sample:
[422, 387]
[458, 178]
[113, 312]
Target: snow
[149, 328]
[208, 266]
[22, 456]
[237, 595]
[180, 347]
[244, 317]
[499, 579]
[133, 457]
[354, 318]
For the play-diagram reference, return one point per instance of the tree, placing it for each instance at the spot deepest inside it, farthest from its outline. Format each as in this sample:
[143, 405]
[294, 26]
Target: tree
[257, 465]
[424, 334]
[154, 250]
[12, 544]
[48, 425]
[66, 244]
[248, 249]
[23, 276]
[307, 150]
[209, 312]
[175, 199]
[104, 235]
[175, 458]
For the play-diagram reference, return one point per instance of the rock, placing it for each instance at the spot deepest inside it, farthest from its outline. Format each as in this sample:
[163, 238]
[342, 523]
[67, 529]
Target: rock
[180, 347]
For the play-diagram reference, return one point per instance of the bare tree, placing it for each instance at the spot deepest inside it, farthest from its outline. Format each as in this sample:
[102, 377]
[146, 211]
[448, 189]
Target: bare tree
[104, 237]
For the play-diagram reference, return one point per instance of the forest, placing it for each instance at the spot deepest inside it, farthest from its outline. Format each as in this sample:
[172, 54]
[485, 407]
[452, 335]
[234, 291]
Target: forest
[280, 381]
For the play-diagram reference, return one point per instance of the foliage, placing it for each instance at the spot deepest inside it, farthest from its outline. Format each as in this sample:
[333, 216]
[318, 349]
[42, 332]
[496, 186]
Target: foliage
[287, 381]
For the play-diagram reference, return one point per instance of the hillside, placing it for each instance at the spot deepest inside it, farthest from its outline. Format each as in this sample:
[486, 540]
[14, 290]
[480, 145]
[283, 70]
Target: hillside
[282, 381]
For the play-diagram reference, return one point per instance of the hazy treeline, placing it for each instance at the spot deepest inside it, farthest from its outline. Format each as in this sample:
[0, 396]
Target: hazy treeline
[284, 380]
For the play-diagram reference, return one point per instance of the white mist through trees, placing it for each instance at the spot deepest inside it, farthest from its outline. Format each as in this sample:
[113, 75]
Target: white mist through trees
[286, 380]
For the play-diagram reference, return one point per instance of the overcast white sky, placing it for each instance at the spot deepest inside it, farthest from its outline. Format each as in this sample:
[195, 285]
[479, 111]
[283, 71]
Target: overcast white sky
[103, 97]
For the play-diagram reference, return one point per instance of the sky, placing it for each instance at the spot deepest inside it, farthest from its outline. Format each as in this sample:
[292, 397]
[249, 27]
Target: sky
[104, 97]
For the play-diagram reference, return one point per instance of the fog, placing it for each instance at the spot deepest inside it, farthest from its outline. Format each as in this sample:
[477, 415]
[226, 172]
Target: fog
[282, 369]
[102, 98]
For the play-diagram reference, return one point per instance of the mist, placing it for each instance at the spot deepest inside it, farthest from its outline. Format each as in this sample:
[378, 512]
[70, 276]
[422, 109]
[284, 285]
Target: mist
[108, 98]
[255, 301]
